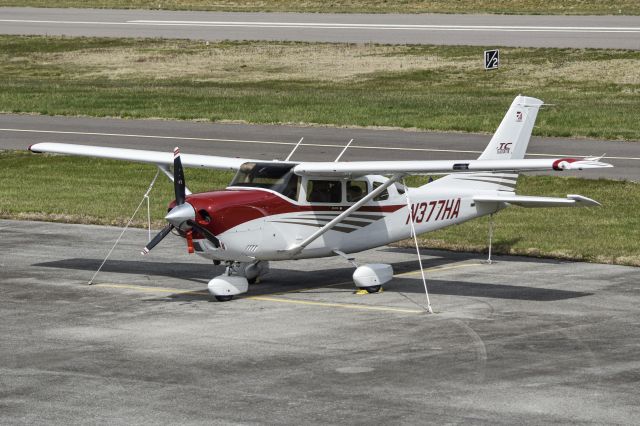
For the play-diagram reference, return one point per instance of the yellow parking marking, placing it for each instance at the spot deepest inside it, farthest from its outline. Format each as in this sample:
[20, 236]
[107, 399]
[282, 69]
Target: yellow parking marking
[336, 305]
[271, 298]
[146, 289]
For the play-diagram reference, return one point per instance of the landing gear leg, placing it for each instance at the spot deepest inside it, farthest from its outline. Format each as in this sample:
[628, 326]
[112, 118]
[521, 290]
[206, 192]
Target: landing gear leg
[489, 261]
[255, 270]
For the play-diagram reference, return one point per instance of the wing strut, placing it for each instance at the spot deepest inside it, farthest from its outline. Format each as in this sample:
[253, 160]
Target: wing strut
[294, 149]
[342, 216]
[343, 151]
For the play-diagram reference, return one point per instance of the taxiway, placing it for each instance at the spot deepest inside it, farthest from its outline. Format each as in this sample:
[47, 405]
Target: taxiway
[268, 142]
[617, 32]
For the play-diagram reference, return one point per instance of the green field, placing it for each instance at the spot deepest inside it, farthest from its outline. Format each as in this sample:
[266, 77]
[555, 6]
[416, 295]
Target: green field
[595, 92]
[84, 190]
[569, 7]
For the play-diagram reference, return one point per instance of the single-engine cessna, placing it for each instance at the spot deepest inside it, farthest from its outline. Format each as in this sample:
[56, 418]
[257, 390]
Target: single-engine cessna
[278, 210]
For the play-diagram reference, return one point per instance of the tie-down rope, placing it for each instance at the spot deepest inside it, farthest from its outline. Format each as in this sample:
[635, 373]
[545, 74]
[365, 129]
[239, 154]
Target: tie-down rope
[415, 239]
[145, 197]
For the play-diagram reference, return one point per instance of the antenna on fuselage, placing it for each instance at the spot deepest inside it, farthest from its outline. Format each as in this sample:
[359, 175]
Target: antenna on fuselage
[294, 149]
[342, 152]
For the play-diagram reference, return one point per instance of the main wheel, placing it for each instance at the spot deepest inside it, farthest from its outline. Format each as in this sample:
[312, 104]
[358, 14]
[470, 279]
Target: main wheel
[223, 298]
[373, 288]
[253, 280]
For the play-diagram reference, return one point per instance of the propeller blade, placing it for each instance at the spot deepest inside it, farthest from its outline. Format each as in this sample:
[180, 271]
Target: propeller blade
[163, 233]
[178, 177]
[204, 231]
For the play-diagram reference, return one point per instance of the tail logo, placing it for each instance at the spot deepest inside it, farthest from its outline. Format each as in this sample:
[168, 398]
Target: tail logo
[504, 147]
[519, 116]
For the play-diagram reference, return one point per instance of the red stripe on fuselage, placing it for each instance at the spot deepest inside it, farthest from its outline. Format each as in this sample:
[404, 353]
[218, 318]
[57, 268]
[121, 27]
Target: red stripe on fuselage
[230, 208]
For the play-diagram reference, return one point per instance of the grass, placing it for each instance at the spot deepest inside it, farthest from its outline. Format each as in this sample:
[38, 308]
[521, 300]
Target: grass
[425, 87]
[565, 7]
[84, 190]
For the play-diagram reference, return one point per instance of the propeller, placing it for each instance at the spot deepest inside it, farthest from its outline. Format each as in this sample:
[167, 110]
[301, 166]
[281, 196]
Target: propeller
[157, 239]
[178, 177]
[182, 214]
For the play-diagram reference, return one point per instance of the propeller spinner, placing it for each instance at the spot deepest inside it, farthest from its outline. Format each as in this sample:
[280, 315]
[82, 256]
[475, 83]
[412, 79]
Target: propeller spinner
[183, 215]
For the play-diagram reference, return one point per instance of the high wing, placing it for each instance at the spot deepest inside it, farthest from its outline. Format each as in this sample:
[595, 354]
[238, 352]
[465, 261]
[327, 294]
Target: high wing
[571, 200]
[153, 157]
[327, 169]
[361, 168]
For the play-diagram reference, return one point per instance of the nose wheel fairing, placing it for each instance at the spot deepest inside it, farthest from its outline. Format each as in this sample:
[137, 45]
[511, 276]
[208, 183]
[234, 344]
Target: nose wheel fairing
[236, 279]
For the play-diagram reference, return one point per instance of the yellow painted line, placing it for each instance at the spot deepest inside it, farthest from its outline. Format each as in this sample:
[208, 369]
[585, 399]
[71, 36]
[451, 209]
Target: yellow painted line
[302, 290]
[148, 289]
[145, 289]
[336, 305]
[436, 269]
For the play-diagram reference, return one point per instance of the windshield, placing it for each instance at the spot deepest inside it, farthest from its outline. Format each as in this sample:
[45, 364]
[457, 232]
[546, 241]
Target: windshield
[273, 176]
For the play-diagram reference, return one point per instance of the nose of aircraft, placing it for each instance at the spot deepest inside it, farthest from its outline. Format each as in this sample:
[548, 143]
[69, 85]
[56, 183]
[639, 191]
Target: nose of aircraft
[181, 214]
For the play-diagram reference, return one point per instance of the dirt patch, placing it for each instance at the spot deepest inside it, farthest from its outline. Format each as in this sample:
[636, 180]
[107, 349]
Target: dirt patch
[616, 71]
[248, 62]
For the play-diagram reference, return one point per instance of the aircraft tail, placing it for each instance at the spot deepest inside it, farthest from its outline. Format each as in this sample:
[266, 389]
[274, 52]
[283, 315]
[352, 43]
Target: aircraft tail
[510, 141]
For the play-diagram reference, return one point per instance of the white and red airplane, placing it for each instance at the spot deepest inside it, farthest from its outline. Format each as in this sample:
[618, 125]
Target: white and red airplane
[280, 210]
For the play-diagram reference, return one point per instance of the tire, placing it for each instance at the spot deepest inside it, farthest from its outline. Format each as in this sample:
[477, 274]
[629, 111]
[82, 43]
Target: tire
[373, 289]
[253, 280]
[223, 298]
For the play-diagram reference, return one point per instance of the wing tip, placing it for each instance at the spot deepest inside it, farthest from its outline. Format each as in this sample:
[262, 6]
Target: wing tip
[584, 201]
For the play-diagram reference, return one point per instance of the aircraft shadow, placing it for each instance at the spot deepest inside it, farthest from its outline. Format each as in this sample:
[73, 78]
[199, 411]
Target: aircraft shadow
[477, 289]
[197, 272]
[480, 256]
[288, 280]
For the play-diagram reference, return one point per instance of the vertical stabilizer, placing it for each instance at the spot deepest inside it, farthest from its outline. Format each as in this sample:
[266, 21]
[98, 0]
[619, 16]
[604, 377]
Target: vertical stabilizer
[510, 141]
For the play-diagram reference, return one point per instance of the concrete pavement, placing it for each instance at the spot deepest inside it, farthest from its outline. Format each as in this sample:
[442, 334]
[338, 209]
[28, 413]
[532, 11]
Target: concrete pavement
[520, 341]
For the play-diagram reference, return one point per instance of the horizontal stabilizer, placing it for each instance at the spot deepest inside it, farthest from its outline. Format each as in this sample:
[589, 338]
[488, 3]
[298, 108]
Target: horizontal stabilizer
[533, 201]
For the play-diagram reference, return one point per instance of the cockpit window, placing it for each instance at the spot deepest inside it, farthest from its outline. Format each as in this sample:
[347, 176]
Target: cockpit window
[273, 176]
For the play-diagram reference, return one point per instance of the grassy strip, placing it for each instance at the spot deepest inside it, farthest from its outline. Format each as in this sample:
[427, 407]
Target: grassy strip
[82, 190]
[427, 87]
[565, 7]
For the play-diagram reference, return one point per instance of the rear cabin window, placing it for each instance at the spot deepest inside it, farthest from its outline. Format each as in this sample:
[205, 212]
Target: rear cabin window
[384, 195]
[356, 190]
[324, 191]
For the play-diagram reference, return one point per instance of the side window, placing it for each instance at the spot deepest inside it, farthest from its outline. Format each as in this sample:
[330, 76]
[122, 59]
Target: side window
[383, 196]
[292, 189]
[324, 191]
[356, 190]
